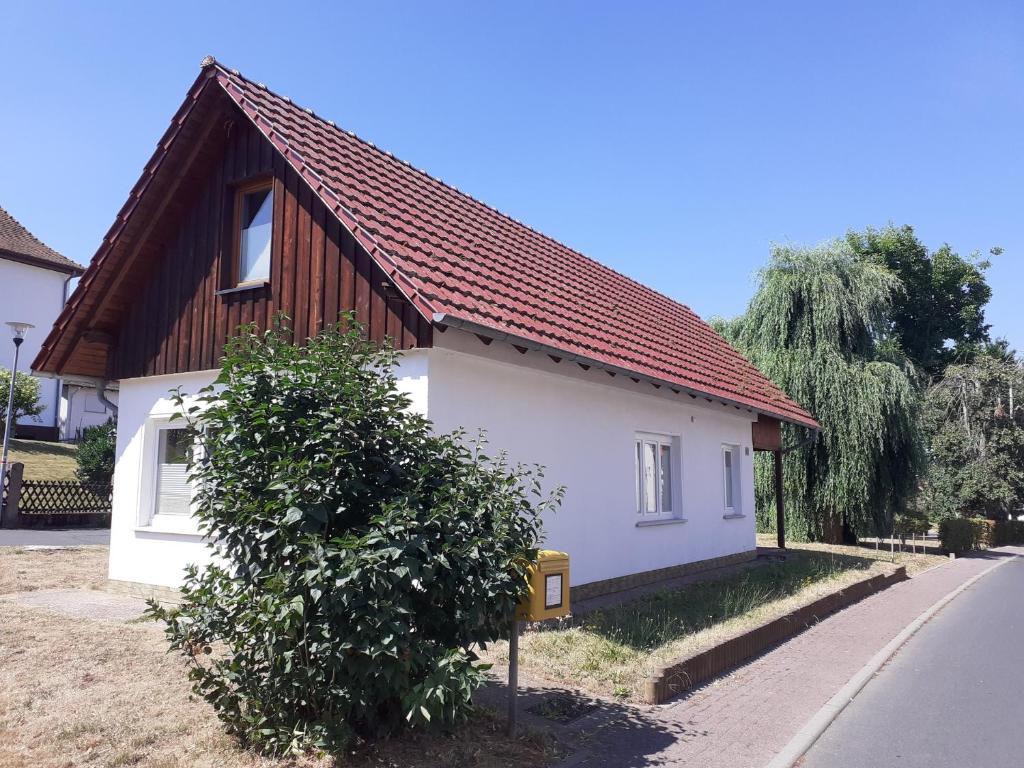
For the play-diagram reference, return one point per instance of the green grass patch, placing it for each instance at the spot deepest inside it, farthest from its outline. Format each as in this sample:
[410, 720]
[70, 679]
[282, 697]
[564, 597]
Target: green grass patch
[662, 617]
[44, 460]
[612, 651]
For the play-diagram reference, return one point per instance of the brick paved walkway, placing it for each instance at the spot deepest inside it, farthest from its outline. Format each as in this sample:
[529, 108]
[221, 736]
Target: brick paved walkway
[744, 718]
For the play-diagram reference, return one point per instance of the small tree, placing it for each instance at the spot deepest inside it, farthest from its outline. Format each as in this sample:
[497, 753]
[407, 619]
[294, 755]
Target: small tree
[95, 454]
[359, 556]
[26, 397]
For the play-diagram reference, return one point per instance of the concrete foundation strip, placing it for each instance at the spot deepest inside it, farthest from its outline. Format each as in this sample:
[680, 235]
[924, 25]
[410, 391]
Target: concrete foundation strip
[822, 719]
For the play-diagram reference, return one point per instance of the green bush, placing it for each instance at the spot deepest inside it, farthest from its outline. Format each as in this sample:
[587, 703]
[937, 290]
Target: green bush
[95, 454]
[911, 523]
[1006, 532]
[360, 556]
[964, 534]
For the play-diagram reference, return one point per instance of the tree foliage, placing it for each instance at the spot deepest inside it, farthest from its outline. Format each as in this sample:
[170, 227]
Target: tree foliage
[813, 327]
[359, 555]
[974, 419]
[939, 315]
[95, 455]
[26, 397]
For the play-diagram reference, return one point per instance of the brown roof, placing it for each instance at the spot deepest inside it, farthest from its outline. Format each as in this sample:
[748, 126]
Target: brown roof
[463, 263]
[18, 244]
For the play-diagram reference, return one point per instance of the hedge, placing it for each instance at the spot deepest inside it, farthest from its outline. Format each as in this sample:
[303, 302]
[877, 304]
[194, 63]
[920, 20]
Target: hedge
[1007, 532]
[963, 534]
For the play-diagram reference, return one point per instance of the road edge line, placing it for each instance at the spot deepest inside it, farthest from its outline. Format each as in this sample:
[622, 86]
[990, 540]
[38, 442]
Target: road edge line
[822, 719]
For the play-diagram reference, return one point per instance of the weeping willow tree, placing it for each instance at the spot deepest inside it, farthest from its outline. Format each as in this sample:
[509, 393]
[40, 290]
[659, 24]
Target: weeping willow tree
[814, 328]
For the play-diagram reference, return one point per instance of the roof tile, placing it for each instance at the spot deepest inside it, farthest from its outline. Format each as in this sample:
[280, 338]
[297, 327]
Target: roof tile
[469, 261]
[19, 243]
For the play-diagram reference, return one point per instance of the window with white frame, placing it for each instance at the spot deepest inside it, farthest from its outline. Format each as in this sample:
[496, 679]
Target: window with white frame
[654, 471]
[731, 478]
[173, 489]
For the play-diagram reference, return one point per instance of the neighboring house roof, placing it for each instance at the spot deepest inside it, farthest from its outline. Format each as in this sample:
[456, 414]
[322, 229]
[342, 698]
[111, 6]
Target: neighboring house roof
[18, 244]
[465, 264]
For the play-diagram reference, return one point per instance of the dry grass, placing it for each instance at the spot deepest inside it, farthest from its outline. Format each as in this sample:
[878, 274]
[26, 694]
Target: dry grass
[77, 692]
[45, 461]
[25, 570]
[914, 563]
[613, 655]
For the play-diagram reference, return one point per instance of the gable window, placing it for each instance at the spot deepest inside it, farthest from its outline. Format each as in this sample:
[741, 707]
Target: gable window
[254, 217]
[173, 490]
[731, 477]
[654, 475]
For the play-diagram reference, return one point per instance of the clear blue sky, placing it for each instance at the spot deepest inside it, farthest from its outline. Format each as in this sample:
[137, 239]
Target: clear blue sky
[672, 141]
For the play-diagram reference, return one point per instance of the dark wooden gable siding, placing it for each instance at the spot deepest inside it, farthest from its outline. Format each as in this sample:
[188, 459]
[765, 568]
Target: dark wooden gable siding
[179, 323]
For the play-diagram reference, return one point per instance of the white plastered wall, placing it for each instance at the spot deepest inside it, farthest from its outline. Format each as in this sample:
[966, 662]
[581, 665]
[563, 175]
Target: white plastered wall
[30, 294]
[152, 551]
[581, 425]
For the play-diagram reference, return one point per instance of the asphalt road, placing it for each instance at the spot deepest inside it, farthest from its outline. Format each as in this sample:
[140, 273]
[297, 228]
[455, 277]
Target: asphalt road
[53, 537]
[952, 696]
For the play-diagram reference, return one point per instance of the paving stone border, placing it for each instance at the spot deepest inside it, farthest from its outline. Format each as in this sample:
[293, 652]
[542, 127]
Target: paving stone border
[689, 672]
[594, 589]
[166, 595]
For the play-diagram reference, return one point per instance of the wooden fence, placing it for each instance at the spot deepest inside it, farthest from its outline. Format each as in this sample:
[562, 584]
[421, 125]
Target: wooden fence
[52, 503]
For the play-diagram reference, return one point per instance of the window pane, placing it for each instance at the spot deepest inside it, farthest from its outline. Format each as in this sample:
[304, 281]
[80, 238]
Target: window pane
[665, 479]
[650, 480]
[639, 483]
[174, 494]
[254, 245]
[728, 479]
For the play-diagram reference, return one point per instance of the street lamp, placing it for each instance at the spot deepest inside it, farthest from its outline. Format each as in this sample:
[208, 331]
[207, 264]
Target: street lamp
[19, 330]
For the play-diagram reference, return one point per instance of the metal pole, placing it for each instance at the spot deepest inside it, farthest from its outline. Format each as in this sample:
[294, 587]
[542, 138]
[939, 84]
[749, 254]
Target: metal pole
[780, 504]
[513, 677]
[8, 427]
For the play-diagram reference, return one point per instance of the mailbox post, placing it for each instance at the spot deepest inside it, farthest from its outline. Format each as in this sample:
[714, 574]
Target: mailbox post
[547, 597]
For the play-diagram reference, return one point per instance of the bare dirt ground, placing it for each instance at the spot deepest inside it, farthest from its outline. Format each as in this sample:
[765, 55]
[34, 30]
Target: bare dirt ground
[89, 692]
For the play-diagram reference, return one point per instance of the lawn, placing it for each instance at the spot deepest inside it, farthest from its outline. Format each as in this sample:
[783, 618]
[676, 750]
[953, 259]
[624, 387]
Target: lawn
[45, 461]
[104, 693]
[613, 651]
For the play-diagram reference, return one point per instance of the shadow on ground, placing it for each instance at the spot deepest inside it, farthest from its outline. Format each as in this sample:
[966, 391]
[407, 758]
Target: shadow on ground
[608, 733]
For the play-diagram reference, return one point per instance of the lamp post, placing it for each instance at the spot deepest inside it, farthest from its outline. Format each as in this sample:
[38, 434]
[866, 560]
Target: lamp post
[19, 330]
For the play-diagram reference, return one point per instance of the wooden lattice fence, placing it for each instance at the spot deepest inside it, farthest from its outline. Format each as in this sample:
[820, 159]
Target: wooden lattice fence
[33, 503]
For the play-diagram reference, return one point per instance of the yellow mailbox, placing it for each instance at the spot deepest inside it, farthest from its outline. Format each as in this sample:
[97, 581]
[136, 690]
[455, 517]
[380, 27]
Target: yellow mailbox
[548, 595]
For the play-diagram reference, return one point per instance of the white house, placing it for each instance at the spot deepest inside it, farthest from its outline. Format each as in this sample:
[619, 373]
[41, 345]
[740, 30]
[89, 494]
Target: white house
[34, 281]
[252, 205]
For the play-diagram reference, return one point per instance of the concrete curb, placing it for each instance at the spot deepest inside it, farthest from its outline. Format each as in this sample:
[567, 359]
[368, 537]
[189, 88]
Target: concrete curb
[684, 674]
[822, 719]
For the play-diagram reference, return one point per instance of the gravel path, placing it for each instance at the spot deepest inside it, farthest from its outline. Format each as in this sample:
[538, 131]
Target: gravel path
[81, 603]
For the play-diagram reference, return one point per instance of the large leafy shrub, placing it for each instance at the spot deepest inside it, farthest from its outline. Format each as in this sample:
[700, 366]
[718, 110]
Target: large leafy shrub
[360, 556]
[95, 456]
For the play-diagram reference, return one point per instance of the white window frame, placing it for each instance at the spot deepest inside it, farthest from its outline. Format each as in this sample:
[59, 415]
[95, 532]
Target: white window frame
[732, 478]
[660, 442]
[150, 520]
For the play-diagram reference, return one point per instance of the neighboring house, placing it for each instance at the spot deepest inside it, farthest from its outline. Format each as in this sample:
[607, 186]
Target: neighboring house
[252, 206]
[34, 282]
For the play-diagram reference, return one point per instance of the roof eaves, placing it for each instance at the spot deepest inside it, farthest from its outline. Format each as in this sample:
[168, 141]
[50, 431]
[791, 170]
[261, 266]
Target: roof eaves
[67, 314]
[66, 266]
[452, 321]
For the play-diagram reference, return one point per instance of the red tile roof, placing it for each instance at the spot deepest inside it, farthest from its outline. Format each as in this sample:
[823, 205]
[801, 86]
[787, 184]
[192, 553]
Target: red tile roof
[19, 244]
[458, 258]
